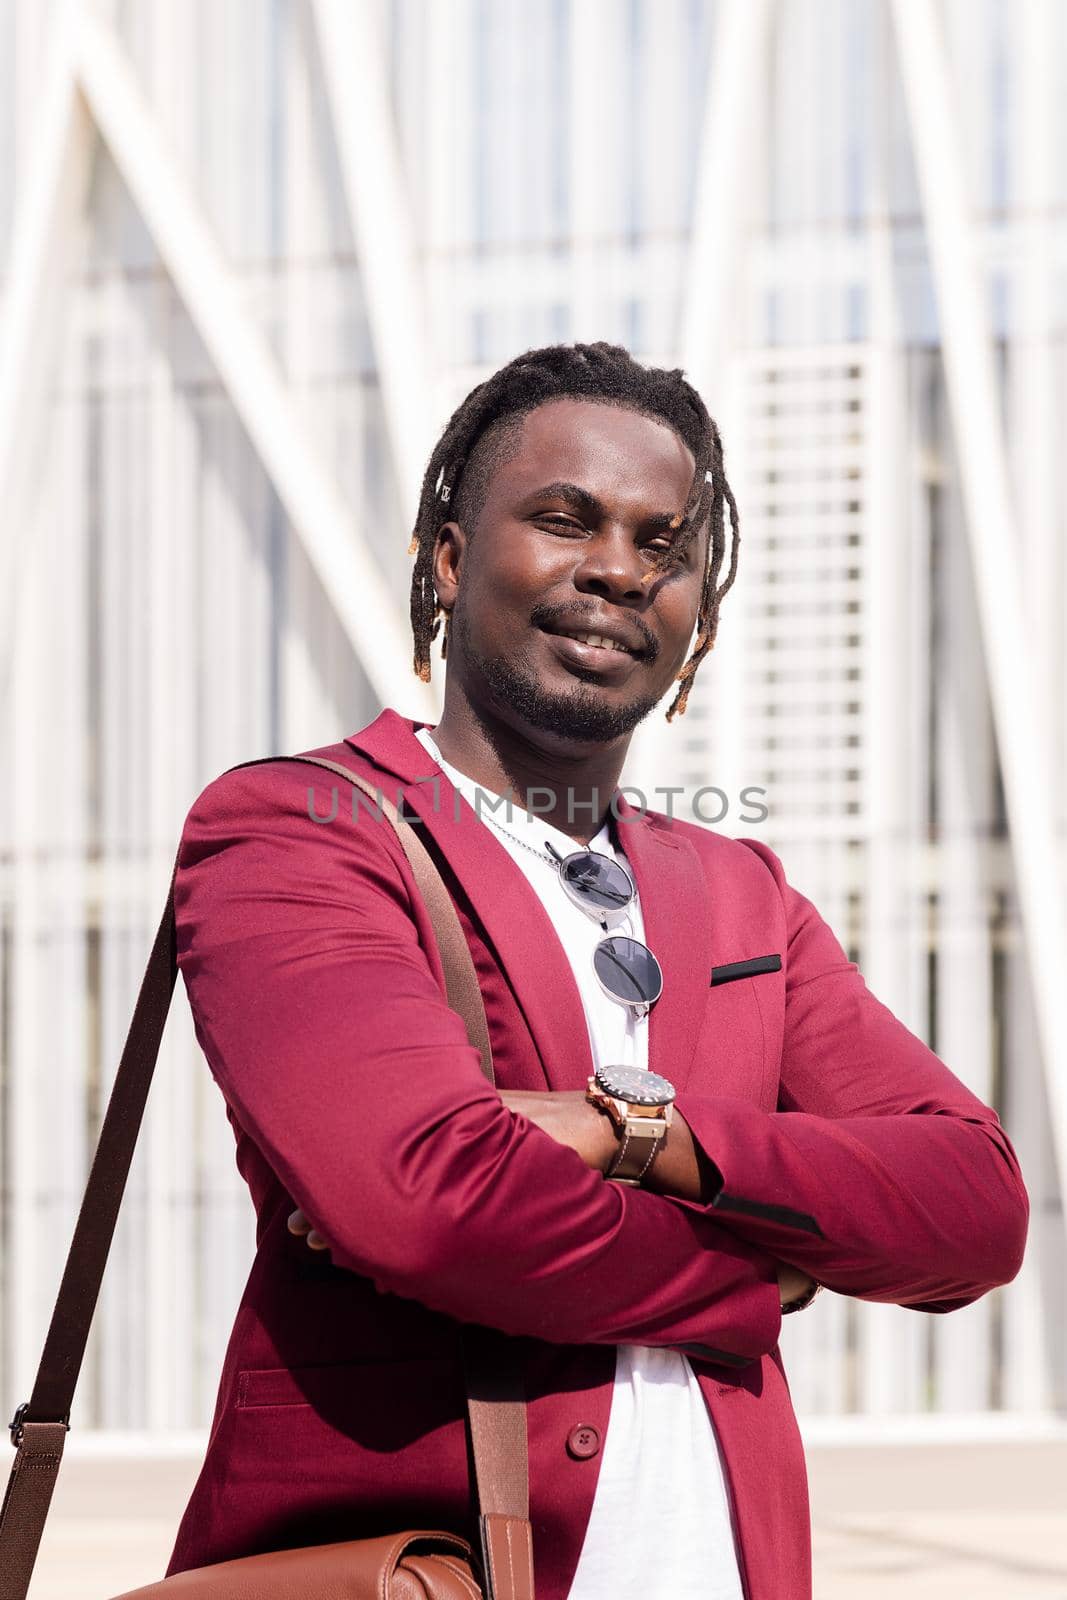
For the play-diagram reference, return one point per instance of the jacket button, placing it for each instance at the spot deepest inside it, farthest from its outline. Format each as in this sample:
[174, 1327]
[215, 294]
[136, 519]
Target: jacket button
[583, 1441]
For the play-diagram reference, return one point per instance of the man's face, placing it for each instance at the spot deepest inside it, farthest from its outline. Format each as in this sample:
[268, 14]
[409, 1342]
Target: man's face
[569, 528]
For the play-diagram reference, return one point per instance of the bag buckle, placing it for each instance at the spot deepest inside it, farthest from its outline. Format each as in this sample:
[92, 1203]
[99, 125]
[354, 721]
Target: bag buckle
[15, 1426]
[21, 1413]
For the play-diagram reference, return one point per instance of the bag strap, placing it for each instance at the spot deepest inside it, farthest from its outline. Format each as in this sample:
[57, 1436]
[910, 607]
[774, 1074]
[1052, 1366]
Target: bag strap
[496, 1407]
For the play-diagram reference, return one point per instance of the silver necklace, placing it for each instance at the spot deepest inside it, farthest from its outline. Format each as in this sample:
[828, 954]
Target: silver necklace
[553, 860]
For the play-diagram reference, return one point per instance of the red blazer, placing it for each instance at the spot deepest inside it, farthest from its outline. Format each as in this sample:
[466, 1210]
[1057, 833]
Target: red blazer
[845, 1145]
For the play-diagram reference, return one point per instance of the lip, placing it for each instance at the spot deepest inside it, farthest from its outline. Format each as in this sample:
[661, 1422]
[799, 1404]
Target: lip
[594, 657]
[616, 632]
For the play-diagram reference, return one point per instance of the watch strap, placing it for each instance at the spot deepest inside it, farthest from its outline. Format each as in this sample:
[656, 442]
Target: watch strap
[634, 1156]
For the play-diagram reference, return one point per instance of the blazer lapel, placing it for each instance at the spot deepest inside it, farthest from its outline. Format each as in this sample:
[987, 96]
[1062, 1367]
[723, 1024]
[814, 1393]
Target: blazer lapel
[516, 924]
[674, 905]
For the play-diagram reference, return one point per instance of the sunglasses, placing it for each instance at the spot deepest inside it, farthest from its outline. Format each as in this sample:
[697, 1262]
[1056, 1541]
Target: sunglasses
[626, 969]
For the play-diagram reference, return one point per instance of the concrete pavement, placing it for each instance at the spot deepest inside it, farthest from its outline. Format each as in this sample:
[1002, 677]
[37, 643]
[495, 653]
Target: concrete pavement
[937, 1521]
[921, 1521]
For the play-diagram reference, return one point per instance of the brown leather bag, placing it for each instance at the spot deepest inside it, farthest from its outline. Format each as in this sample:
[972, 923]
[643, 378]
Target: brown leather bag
[414, 1565]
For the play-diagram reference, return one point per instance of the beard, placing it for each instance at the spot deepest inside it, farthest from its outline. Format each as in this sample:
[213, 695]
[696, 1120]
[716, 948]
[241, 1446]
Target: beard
[578, 713]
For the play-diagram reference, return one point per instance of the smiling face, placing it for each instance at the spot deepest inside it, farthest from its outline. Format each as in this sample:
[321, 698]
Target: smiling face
[571, 523]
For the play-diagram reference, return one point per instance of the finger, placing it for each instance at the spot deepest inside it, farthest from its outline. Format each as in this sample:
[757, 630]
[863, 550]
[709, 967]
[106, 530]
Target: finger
[298, 1223]
[316, 1241]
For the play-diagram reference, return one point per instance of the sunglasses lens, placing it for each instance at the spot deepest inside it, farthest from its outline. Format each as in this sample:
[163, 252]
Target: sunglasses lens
[628, 970]
[596, 880]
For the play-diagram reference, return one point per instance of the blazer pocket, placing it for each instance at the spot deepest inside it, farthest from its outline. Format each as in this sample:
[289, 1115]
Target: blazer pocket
[327, 1442]
[270, 1388]
[751, 968]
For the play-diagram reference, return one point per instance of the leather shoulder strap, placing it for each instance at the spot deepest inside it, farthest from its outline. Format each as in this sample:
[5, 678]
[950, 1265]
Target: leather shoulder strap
[461, 980]
[39, 1427]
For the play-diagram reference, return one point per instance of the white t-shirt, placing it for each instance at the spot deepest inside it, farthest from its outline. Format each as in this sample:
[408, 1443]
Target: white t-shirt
[660, 1467]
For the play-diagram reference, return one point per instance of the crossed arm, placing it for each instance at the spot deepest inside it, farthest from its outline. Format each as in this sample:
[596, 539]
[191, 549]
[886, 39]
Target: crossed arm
[324, 1025]
[879, 1174]
[308, 984]
[680, 1168]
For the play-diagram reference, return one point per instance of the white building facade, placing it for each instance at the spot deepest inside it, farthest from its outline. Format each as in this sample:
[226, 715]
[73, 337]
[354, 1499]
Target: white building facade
[251, 255]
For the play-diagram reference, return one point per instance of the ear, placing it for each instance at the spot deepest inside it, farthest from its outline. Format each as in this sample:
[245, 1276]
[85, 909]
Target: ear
[447, 562]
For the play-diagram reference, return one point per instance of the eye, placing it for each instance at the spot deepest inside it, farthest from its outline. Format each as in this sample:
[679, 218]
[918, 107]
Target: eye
[559, 522]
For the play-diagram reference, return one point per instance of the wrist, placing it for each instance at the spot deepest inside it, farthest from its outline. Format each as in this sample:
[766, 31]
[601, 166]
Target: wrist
[568, 1118]
[638, 1106]
[603, 1139]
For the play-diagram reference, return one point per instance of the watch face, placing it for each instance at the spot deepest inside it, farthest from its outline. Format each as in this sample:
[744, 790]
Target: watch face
[635, 1085]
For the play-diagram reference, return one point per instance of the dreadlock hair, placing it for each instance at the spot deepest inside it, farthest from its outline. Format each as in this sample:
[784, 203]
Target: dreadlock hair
[485, 428]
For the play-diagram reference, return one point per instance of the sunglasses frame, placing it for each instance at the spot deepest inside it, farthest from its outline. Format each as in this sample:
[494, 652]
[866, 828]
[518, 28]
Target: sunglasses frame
[576, 895]
[640, 1007]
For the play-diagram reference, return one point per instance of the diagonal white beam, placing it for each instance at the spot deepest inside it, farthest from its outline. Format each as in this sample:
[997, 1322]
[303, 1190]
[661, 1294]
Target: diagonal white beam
[357, 85]
[992, 532]
[50, 194]
[721, 201]
[335, 546]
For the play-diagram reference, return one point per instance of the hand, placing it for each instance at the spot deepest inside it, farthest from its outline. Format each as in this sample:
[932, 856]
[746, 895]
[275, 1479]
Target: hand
[567, 1116]
[299, 1224]
[793, 1284]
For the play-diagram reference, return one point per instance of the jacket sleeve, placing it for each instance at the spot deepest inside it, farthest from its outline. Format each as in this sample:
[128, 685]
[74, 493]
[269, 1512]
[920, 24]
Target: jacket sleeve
[880, 1174]
[325, 1028]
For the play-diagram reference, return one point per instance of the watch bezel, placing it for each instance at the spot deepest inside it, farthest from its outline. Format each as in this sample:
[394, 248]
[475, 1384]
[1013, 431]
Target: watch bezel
[663, 1091]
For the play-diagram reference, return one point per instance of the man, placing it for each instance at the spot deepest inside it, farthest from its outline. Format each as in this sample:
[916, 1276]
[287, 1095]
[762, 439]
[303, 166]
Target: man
[571, 531]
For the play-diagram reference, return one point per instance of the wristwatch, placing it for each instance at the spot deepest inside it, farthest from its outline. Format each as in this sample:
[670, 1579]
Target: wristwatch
[640, 1105]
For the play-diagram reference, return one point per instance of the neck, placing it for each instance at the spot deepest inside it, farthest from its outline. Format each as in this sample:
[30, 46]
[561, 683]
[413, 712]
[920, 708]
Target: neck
[567, 783]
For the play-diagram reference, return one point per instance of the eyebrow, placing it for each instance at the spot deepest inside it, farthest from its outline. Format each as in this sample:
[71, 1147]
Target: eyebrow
[588, 505]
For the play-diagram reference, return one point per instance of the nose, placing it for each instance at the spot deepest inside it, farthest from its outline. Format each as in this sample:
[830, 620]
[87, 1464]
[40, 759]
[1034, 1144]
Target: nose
[611, 566]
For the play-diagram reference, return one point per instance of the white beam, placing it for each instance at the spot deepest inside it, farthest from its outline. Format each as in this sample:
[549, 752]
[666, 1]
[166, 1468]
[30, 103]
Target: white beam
[356, 74]
[593, 49]
[992, 531]
[49, 202]
[732, 108]
[335, 546]
[735, 95]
